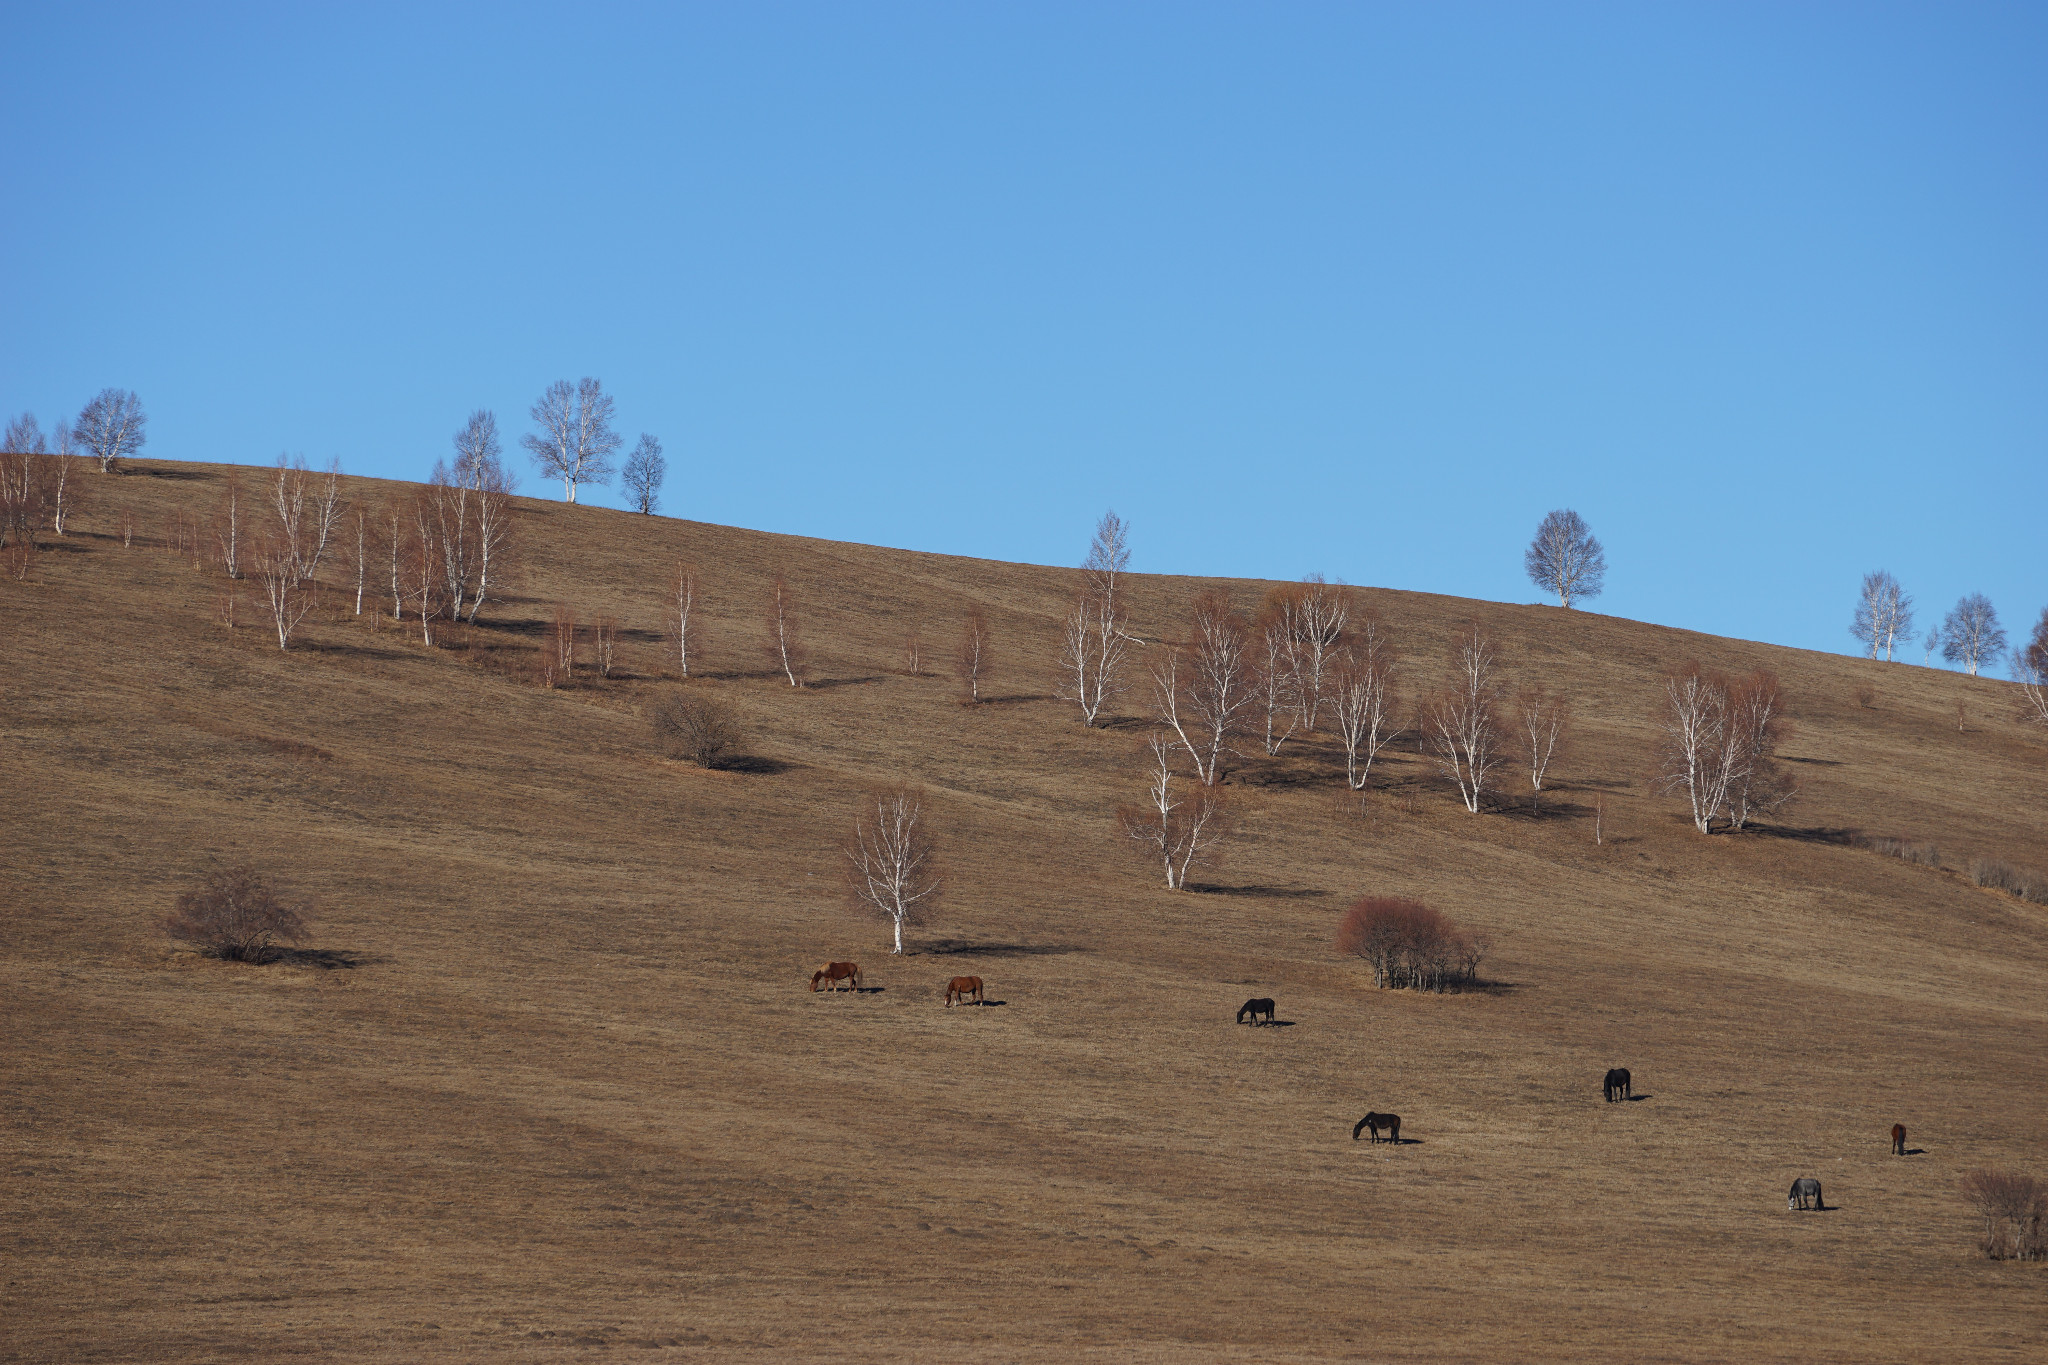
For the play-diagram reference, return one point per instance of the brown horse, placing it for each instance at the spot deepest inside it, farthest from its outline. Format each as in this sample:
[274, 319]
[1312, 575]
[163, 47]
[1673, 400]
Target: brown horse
[962, 987]
[1898, 1139]
[832, 973]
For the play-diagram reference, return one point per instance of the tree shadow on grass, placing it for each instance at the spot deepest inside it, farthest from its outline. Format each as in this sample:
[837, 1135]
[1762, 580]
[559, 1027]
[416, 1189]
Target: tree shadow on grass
[1263, 893]
[1814, 834]
[180, 475]
[827, 684]
[754, 765]
[961, 947]
[1018, 699]
[326, 959]
[359, 651]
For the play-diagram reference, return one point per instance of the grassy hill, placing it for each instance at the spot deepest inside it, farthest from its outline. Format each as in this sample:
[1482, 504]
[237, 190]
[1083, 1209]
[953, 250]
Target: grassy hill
[552, 1083]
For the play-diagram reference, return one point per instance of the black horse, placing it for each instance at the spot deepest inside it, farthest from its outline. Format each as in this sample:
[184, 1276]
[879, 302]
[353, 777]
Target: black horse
[1390, 1122]
[1255, 1008]
[1805, 1194]
[1616, 1085]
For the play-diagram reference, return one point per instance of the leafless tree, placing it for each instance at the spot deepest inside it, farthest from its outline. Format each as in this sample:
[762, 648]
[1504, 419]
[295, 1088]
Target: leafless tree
[972, 656]
[1276, 680]
[397, 544]
[1599, 817]
[112, 427]
[913, 652]
[1564, 558]
[1362, 699]
[67, 493]
[1109, 558]
[237, 914]
[288, 486]
[1460, 722]
[25, 499]
[692, 726]
[682, 607]
[1884, 615]
[230, 526]
[1542, 724]
[1202, 689]
[1317, 613]
[2014, 1208]
[892, 858]
[563, 633]
[604, 643]
[24, 436]
[1181, 829]
[785, 642]
[1756, 727]
[362, 550]
[323, 514]
[575, 441]
[1971, 635]
[2030, 670]
[492, 489]
[426, 578]
[644, 471]
[1094, 654]
[286, 595]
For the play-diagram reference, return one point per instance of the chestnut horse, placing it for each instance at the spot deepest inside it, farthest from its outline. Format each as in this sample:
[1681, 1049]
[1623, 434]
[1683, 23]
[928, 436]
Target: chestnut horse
[1898, 1139]
[832, 973]
[1390, 1122]
[962, 987]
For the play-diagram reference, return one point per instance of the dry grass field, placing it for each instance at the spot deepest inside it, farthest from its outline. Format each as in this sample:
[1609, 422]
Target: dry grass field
[549, 1085]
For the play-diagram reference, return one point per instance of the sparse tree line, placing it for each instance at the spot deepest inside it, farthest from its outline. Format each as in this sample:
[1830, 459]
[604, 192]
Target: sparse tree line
[41, 477]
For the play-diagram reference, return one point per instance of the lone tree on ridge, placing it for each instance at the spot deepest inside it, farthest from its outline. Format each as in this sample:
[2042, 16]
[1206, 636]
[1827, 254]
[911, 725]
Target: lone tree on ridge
[1564, 558]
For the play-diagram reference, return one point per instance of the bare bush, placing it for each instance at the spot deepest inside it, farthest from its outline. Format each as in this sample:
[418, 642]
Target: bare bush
[689, 725]
[1202, 689]
[1408, 944]
[972, 655]
[892, 859]
[1905, 850]
[1181, 830]
[1564, 558]
[238, 915]
[2014, 1208]
[1460, 723]
[785, 642]
[2000, 875]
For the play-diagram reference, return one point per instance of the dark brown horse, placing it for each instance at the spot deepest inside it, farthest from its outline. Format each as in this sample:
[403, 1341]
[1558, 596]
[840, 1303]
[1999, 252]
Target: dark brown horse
[832, 973]
[1390, 1122]
[1255, 1008]
[963, 987]
[1898, 1139]
[1615, 1087]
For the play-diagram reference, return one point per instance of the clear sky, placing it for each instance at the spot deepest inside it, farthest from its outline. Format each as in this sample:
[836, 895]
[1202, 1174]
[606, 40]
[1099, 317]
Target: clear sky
[1361, 289]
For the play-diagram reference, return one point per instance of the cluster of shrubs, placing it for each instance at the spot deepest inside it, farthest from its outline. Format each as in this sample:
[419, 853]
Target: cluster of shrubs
[1907, 850]
[238, 915]
[2025, 883]
[692, 726]
[2015, 1212]
[1407, 944]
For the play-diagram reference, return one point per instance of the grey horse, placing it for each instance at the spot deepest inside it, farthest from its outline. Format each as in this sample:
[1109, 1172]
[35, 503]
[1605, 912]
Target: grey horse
[1805, 1194]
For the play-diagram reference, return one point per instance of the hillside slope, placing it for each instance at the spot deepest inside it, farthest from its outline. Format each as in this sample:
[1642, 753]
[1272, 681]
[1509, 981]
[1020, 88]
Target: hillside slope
[553, 1081]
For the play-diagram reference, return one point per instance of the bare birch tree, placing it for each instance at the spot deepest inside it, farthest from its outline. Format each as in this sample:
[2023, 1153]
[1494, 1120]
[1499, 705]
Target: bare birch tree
[288, 510]
[1971, 635]
[112, 427]
[230, 526]
[1564, 558]
[892, 859]
[1883, 617]
[67, 492]
[1202, 689]
[1542, 724]
[323, 515]
[1756, 727]
[644, 471]
[1276, 680]
[575, 442]
[1317, 615]
[361, 549]
[492, 489]
[1460, 723]
[785, 642]
[286, 595]
[1180, 829]
[971, 657]
[1719, 737]
[682, 608]
[2030, 671]
[1362, 699]
[1109, 558]
[1094, 654]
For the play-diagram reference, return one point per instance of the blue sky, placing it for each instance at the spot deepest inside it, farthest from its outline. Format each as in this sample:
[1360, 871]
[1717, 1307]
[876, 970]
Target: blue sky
[1358, 289]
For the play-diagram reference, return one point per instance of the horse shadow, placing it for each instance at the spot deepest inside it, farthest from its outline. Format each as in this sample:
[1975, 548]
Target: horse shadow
[985, 1004]
[1273, 1023]
[1914, 1151]
[1637, 1099]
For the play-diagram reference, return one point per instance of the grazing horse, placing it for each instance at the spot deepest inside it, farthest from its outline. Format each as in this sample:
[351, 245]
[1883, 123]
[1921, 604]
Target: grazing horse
[1805, 1194]
[1255, 1008]
[1390, 1122]
[1616, 1085]
[962, 987]
[1898, 1139]
[832, 973]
